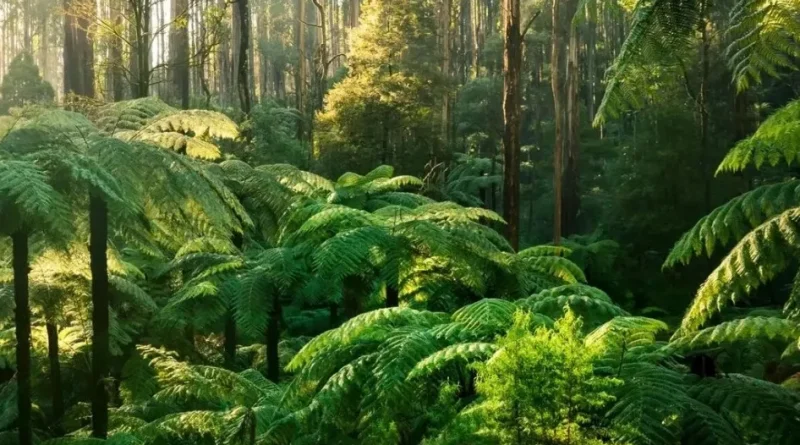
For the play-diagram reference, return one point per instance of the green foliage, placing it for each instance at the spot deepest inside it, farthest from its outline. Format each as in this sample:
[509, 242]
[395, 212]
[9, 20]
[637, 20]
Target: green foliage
[382, 111]
[22, 85]
[761, 35]
[528, 401]
[775, 141]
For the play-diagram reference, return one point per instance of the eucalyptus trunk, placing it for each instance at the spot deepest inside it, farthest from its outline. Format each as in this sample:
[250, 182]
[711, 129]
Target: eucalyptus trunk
[512, 66]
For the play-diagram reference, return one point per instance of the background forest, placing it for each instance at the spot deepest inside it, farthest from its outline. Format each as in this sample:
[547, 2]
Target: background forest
[399, 222]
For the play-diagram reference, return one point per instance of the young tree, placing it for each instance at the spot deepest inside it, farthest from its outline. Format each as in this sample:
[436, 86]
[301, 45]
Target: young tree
[23, 85]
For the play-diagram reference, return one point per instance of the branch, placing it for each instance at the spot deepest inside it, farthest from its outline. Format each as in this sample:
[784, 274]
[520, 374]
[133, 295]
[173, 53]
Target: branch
[335, 57]
[309, 24]
[530, 22]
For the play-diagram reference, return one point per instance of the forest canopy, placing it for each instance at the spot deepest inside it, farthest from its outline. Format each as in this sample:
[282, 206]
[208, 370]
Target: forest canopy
[263, 222]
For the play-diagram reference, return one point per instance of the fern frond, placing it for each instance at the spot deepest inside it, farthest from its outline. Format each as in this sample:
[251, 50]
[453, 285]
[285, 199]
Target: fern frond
[733, 220]
[744, 329]
[768, 409]
[461, 352]
[763, 39]
[775, 141]
[363, 325]
[756, 259]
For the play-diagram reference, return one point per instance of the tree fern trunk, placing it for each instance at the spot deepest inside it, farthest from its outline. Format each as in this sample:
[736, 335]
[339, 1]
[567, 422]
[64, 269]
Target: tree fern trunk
[22, 323]
[273, 338]
[98, 239]
[55, 377]
[230, 340]
[230, 319]
[392, 297]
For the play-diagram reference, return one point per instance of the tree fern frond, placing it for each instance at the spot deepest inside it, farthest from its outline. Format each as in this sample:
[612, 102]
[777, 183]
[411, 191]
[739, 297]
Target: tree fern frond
[733, 220]
[756, 259]
[767, 408]
[487, 315]
[461, 352]
[362, 325]
[775, 141]
[763, 39]
[744, 329]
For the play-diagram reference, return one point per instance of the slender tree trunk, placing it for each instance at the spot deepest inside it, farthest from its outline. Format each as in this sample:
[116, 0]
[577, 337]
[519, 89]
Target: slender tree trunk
[703, 99]
[179, 51]
[78, 54]
[273, 339]
[512, 66]
[591, 57]
[22, 324]
[300, 69]
[115, 53]
[571, 197]
[557, 82]
[445, 19]
[98, 239]
[323, 57]
[241, 56]
[55, 377]
[224, 66]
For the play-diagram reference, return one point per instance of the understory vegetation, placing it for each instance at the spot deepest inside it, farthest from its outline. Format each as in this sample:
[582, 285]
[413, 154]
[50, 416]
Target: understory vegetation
[413, 249]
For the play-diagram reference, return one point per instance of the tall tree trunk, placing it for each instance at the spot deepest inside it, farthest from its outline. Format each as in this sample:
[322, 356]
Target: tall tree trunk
[355, 12]
[55, 376]
[512, 66]
[571, 197]
[179, 51]
[557, 85]
[242, 70]
[140, 51]
[98, 239]
[445, 21]
[224, 65]
[300, 69]
[115, 53]
[22, 324]
[78, 54]
[322, 69]
[703, 99]
[591, 57]
[273, 339]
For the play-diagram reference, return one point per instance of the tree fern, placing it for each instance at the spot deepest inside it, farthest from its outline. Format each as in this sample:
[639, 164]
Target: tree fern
[775, 141]
[745, 329]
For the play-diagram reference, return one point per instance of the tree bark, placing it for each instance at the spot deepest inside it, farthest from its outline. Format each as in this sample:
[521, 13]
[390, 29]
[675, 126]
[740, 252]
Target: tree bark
[98, 239]
[300, 69]
[392, 296]
[512, 66]
[179, 51]
[241, 57]
[78, 54]
[115, 53]
[446, 15]
[273, 339]
[703, 99]
[556, 83]
[55, 377]
[571, 197]
[22, 324]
